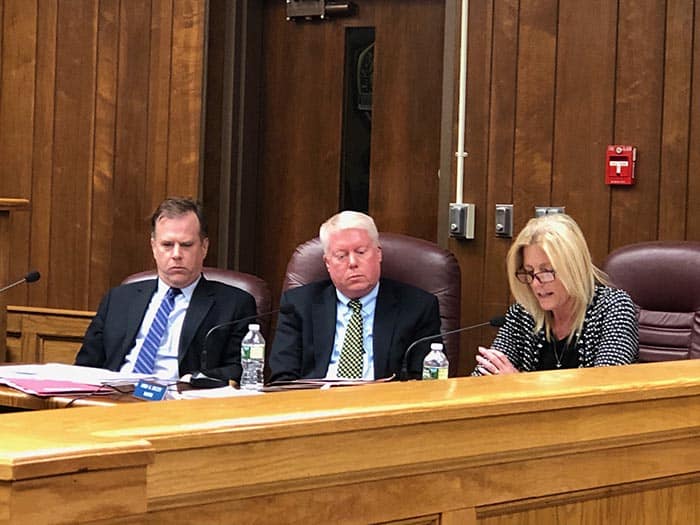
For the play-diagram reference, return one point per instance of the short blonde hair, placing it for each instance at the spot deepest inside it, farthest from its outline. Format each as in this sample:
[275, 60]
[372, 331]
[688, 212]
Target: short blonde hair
[562, 241]
[346, 220]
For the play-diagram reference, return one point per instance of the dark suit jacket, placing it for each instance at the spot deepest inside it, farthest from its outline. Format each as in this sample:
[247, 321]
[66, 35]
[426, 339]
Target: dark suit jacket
[112, 332]
[304, 338]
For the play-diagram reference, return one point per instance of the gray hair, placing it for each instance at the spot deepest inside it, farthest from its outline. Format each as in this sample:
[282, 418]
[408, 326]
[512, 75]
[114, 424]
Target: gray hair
[346, 220]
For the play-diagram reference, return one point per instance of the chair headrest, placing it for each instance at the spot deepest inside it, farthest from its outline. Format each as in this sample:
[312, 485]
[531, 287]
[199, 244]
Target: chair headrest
[659, 275]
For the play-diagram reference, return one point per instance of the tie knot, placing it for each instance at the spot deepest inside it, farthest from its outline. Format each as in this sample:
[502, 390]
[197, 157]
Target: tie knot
[173, 292]
[355, 305]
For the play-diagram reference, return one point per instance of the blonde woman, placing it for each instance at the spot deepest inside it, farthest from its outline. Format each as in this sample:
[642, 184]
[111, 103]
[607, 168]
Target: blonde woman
[565, 315]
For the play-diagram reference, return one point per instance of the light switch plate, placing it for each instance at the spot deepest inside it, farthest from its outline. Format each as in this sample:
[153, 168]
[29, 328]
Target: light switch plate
[504, 220]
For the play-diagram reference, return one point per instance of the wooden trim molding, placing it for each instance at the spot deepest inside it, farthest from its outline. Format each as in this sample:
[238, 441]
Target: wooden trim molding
[44, 335]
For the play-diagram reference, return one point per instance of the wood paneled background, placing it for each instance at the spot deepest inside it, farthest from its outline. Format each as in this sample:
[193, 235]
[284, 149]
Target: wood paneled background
[100, 105]
[550, 85]
[302, 101]
[101, 116]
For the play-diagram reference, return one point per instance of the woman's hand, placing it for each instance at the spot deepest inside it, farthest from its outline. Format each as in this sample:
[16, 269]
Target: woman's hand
[492, 362]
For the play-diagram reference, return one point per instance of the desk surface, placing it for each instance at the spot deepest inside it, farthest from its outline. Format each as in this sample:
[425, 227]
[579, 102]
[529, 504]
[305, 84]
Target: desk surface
[472, 447]
[12, 398]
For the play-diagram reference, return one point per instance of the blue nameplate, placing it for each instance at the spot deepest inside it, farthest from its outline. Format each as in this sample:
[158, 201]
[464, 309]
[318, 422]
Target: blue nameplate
[150, 391]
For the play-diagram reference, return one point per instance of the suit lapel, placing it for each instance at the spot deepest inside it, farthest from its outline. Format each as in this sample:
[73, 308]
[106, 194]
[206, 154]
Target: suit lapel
[384, 323]
[200, 304]
[135, 313]
[323, 313]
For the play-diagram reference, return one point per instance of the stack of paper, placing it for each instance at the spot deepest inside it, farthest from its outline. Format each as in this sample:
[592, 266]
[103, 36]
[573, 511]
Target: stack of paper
[57, 378]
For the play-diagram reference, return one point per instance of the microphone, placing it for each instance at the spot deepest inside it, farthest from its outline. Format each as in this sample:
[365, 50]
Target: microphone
[201, 379]
[31, 277]
[494, 321]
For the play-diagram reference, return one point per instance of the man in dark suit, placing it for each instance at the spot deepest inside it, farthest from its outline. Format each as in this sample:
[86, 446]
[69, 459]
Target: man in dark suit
[313, 340]
[131, 318]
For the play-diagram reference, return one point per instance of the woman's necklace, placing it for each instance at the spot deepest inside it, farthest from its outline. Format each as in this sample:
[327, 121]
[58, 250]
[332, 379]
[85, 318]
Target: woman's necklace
[558, 357]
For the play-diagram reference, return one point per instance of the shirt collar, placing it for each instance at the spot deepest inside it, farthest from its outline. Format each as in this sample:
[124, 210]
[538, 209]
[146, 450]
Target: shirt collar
[365, 299]
[187, 291]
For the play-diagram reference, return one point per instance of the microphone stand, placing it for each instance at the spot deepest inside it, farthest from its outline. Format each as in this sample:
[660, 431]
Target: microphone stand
[201, 379]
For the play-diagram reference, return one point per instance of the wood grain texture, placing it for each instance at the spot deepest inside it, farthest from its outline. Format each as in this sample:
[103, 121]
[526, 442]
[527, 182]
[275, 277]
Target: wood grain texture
[42, 156]
[132, 202]
[102, 233]
[299, 155]
[693, 222]
[96, 142]
[638, 119]
[584, 115]
[471, 254]
[673, 185]
[501, 139]
[18, 74]
[45, 335]
[588, 444]
[406, 105]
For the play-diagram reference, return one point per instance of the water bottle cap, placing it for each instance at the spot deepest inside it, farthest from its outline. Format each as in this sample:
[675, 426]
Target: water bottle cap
[436, 346]
[254, 327]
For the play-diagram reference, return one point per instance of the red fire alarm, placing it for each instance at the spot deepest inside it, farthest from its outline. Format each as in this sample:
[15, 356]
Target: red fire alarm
[619, 164]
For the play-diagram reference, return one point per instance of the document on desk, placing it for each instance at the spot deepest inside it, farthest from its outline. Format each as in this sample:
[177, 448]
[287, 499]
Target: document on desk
[208, 393]
[323, 384]
[51, 379]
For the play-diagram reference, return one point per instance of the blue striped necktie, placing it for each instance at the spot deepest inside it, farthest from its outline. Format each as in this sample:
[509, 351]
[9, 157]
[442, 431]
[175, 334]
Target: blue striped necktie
[350, 361]
[146, 359]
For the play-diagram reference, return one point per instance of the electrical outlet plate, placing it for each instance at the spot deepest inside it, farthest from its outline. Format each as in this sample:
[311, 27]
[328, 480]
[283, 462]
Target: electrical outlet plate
[548, 210]
[504, 220]
[462, 220]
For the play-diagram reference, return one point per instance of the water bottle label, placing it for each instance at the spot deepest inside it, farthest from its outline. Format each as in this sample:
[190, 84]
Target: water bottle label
[434, 372]
[256, 351]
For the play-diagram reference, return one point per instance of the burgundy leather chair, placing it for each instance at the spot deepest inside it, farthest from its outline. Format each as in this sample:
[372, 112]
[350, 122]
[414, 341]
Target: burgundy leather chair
[407, 259]
[663, 279]
[252, 284]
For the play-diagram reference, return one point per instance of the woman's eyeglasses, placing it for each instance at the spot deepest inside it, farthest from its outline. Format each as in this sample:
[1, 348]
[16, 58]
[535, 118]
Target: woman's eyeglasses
[545, 276]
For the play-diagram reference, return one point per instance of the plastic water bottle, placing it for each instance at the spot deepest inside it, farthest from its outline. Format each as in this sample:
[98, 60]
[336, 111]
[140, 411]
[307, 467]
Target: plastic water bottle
[435, 364]
[252, 358]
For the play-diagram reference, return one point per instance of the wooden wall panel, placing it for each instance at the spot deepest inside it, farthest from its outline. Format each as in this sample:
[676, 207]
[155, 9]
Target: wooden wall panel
[98, 124]
[300, 140]
[40, 193]
[583, 117]
[693, 223]
[74, 128]
[673, 190]
[131, 200]
[103, 173]
[640, 47]
[405, 120]
[18, 75]
[501, 149]
[185, 111]
[535, 103]
[470, 254]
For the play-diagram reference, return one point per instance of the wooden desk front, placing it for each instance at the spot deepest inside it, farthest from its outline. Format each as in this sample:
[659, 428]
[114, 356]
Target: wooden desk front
[591, 446]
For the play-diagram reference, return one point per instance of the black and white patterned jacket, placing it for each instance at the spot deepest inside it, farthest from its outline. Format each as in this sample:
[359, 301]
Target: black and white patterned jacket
[609, 336]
